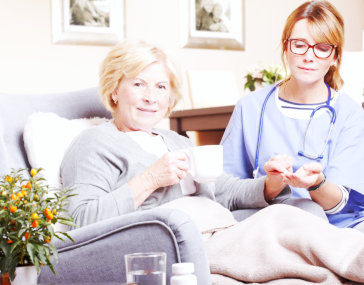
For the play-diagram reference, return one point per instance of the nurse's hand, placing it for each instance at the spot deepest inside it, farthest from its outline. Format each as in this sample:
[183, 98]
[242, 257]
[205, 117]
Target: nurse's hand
[305, 176]
[276, 169]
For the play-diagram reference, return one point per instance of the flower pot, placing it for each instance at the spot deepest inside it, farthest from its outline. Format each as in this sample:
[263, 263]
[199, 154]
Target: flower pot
[25, 275]
[5, 280]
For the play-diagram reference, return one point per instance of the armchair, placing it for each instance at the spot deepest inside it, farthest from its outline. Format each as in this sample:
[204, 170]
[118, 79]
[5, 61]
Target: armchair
[97, 255]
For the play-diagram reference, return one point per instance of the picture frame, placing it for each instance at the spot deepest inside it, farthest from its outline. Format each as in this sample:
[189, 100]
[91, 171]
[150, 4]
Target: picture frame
[92, 22]
[212, 24]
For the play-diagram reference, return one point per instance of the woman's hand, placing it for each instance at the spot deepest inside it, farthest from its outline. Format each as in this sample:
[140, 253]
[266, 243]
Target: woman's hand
[276, 169]
[168, 170]
[306, 176]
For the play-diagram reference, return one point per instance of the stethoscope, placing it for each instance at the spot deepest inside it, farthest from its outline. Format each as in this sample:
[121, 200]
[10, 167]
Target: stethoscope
[301, 152]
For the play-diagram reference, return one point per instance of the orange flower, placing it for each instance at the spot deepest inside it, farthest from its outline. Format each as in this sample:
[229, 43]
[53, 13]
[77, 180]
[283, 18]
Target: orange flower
[33, 172]
[35, 216]
[35, 223]
[13, 208]
[48, 214]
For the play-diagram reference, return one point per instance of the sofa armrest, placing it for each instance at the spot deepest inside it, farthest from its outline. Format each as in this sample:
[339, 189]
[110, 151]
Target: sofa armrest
[98, 252]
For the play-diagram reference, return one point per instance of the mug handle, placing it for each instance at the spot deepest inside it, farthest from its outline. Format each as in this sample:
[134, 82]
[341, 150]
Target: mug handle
[191, 168]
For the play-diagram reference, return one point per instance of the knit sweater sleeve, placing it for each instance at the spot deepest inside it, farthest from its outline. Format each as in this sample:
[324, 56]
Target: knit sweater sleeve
[98, 178]
[235, 193]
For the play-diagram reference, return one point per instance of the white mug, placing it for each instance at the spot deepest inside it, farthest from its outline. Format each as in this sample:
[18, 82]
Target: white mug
[205, 162]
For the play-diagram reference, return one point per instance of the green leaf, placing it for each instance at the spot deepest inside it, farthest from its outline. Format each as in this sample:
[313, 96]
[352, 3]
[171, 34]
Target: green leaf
[14, 246]
[12, 266]
[54, 251]
[32, 250]
[43, 252]
[50, 265]
[36, 263]
[21, 232]
[5, 247]
[57, 236]
[67, 235]
[66, 222]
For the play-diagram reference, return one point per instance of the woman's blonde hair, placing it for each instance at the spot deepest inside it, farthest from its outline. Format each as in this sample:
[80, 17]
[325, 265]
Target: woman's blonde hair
[326, 25]
[129, 59]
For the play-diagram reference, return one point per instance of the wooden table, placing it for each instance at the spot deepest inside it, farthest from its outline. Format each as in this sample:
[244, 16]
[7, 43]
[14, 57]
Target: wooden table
[210, 123]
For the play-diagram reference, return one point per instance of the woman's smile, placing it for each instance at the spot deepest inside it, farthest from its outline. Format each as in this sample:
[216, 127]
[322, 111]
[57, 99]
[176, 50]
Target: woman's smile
[146, 110]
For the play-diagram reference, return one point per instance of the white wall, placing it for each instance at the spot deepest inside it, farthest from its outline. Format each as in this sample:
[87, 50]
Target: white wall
[30, 63]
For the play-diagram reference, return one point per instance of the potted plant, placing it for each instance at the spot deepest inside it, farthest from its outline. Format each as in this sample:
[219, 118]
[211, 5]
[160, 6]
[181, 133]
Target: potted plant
[263, 76]
[29, 210]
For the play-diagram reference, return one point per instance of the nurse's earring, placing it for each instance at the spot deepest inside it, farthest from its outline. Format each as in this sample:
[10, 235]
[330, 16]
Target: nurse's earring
[115, 100]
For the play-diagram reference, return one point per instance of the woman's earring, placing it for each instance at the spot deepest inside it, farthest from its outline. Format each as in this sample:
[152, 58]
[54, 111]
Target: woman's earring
[115, 100]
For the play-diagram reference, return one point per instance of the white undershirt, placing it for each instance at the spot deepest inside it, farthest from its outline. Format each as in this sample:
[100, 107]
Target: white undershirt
[300, 110]
[154, 144]
[149, 143]
[303, 111]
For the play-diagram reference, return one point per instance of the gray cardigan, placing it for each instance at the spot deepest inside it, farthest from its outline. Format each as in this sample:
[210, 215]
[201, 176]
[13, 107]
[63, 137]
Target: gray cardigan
[102, 160]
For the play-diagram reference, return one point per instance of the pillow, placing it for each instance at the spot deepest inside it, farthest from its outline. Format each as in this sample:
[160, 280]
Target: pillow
[47, 137]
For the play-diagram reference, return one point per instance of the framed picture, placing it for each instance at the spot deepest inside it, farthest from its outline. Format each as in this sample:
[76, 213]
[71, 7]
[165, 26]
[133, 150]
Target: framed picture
[212, 24]
[99, 22]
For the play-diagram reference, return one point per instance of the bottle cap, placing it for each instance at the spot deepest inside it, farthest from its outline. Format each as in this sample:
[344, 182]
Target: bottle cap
[183, 268]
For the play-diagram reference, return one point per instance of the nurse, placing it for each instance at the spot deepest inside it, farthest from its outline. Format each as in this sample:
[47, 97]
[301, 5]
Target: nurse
[276, 120]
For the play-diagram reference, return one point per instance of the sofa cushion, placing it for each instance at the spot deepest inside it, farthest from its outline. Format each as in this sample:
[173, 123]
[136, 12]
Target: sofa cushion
[47, 137]
[16, 108]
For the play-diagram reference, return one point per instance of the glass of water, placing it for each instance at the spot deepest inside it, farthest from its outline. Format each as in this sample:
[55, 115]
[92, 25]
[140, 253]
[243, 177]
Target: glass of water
[146, 268]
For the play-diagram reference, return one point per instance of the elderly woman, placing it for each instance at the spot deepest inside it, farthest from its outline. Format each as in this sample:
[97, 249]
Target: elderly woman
[127, 165]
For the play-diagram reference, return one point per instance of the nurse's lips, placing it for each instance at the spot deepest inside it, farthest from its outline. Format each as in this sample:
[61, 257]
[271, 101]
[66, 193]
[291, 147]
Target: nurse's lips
[306, 68]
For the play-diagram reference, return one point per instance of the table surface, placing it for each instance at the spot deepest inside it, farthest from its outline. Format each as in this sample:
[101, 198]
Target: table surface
[202, 119]
[208, 123]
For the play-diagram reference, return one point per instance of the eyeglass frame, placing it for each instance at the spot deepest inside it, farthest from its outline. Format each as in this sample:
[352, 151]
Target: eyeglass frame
[310, 46]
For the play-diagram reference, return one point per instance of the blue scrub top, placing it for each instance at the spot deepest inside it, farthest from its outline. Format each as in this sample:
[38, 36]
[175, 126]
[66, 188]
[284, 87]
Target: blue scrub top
[343, 160]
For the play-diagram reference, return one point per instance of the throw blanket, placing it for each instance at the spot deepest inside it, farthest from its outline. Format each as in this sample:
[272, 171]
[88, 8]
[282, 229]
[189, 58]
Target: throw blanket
[280, 244]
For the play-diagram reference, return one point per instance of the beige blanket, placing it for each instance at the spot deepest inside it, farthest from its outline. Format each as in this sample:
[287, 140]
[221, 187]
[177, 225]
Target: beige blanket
[285, 245]
[280, 245]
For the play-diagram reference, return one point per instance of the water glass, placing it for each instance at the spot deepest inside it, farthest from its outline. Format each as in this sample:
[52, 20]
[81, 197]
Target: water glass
[146, 268]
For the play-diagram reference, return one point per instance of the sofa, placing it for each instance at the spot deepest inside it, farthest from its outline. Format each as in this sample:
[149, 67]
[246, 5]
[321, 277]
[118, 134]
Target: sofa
[97, 255]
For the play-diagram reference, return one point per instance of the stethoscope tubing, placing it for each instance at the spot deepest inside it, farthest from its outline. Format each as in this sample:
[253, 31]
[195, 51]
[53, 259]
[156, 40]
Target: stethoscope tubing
[301, 153]
[260, 130]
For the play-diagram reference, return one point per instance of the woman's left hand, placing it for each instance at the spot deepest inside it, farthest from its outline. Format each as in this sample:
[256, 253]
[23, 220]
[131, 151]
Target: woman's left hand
[305, 176]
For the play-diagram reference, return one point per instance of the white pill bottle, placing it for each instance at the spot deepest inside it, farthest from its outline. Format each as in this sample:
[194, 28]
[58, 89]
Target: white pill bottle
[182, 274]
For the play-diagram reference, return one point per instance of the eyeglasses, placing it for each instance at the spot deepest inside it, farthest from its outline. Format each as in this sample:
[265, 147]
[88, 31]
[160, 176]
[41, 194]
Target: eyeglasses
[320, 50]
